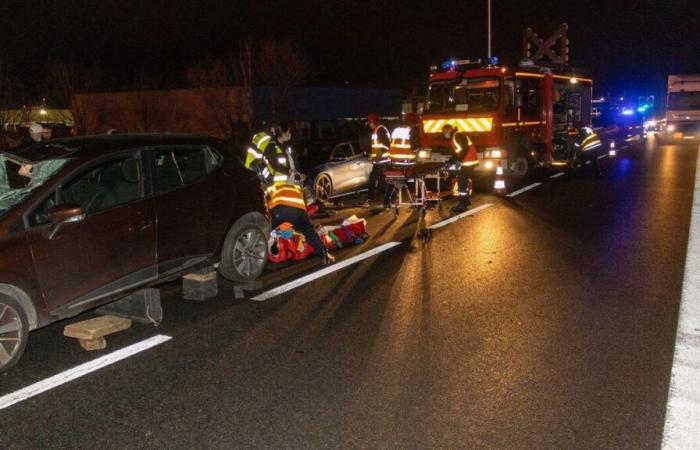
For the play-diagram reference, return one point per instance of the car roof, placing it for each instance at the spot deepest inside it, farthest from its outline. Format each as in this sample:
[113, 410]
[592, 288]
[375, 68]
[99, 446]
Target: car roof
[88, 147]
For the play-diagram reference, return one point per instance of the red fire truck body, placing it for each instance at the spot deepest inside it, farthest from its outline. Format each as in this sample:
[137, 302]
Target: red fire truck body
[523, 117]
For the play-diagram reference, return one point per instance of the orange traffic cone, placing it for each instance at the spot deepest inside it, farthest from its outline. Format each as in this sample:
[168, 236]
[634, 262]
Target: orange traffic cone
[499, 184]
[611, 151]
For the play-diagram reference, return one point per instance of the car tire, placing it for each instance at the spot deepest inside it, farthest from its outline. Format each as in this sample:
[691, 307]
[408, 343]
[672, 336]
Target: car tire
[244, 253]
[323, 187]
[14, 330]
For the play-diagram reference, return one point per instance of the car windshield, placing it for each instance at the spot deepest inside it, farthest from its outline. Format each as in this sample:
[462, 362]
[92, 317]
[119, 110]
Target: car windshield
[471, 94]
[18, 179]
[684, 101]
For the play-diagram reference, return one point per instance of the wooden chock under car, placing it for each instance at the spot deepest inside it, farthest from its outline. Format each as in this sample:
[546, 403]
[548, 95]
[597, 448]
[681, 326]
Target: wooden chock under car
[91, 333]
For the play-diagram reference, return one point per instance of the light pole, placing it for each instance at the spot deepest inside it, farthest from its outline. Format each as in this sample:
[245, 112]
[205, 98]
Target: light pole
[488, 26]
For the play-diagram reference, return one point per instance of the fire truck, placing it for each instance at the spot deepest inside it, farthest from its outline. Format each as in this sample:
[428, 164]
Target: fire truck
[527, 116]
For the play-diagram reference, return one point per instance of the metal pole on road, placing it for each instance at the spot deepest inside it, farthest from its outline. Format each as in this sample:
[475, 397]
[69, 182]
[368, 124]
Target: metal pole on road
[488, 26]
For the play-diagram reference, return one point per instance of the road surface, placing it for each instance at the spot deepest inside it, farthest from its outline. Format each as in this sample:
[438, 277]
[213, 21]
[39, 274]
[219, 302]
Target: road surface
[546, 320]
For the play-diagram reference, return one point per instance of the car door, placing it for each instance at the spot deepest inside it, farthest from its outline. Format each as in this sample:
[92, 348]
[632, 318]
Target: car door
[360, 175]
[111, 250]
[192, 204]
[342, 168]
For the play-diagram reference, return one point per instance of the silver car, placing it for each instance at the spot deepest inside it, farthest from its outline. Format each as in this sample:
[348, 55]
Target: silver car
[347, 171]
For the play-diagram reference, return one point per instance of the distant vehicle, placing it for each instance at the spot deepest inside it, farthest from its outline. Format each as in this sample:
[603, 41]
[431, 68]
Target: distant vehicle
[621, 124]
[683, 109]
[86, 221]
[345, 170]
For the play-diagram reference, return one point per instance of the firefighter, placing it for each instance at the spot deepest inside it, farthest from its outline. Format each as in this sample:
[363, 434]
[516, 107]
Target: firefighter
[280, 160]
[379, 156]
[286, 204]
[255, 155]
[466, 156]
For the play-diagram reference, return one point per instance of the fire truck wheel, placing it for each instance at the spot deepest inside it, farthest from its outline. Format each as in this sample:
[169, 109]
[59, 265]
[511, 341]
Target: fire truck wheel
[521, 166]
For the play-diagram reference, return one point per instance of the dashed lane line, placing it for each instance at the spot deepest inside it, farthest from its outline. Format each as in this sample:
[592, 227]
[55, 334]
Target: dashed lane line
[682, 426]
[460, 216]
[80, 371]
[525, 189]
[557, 175]
[323, 272]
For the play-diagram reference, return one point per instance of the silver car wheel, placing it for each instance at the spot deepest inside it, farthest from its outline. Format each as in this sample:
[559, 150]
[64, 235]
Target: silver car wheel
[323, 187]
[11, 333]
[249, 252]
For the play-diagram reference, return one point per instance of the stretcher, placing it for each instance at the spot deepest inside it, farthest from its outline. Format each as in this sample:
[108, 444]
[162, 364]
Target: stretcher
[407, 179]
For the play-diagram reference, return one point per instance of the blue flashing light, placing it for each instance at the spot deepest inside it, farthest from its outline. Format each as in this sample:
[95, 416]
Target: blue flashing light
[642, 109]
[493, 61]
[449, 64]
[627, 112]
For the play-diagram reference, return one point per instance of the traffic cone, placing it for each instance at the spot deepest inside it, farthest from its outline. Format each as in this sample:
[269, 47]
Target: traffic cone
[499, 184]
[612, 151]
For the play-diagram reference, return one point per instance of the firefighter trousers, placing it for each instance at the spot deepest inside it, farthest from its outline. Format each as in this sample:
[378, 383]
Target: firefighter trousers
[374, 178]
[463, 183]
[301, 223]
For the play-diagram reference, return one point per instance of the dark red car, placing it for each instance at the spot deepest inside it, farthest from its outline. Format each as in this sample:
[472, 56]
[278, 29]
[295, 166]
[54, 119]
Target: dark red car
[85, 221]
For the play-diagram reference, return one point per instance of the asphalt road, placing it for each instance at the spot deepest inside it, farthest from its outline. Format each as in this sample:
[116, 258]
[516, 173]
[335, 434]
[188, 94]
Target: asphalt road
[545, 321]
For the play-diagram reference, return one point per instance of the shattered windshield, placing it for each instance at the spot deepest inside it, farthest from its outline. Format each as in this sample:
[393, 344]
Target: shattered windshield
[18, 179]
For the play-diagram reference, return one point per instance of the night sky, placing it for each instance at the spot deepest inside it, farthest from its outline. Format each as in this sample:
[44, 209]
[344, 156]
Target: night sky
[626, 45]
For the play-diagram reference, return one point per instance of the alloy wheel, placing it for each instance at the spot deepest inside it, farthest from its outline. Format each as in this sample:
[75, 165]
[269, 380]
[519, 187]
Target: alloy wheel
[10, 333]
[324, 188]
[249, 253]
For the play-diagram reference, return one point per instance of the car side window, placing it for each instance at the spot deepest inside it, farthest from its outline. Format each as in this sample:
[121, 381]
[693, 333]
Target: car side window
[102, 187]
[174, 168]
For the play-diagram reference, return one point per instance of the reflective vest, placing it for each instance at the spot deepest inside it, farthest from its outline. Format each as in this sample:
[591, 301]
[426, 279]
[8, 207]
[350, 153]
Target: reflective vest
[468, 156]
[380, 141]
[400, 152]
[285, 194]
[255, 155]
[282, 168]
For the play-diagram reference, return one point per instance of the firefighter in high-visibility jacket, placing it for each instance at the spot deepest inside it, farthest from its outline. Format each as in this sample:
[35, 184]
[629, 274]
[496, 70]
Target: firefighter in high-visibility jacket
[379, 156]
[286, 204]
[268, 157]
[466, 156]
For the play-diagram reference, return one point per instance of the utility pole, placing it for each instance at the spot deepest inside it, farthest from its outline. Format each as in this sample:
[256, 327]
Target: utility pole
[488, 8]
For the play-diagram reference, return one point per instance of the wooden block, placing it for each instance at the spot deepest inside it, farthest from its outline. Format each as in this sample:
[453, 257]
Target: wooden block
[93, 344]
[97, 327]
[201, 276]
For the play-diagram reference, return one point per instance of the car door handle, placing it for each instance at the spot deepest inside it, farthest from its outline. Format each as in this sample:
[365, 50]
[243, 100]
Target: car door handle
[141, 225]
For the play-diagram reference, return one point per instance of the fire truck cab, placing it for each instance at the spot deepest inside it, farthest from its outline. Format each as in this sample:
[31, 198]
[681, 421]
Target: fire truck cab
[523, 117]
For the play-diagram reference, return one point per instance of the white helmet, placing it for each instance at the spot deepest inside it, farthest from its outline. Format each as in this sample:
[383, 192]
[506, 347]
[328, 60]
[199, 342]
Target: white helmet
[35, 131]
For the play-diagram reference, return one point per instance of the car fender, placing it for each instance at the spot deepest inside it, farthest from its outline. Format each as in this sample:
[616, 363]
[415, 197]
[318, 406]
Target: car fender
[24, 300]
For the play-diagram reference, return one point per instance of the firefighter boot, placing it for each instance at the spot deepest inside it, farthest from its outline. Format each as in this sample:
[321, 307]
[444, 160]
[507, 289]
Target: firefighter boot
[327, 259]
[463, 204]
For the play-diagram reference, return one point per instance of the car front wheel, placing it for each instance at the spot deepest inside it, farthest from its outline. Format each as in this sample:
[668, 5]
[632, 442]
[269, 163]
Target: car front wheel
[244, 252]
[13, 332]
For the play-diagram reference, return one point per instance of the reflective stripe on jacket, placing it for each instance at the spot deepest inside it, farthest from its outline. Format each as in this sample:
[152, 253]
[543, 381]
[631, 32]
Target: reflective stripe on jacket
[381, 140]
[465, 149]
[285, 194]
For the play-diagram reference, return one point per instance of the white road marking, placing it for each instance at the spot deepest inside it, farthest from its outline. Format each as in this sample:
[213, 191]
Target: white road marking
[79, 371]
[682, 427]
[525, 189]
[557, 175]
[323, 272]
[460, 216]
[602, 156]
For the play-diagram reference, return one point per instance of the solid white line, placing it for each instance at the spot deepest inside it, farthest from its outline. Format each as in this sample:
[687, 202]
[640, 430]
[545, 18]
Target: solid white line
[682, 427]
[460, 216]
[557, 175]
[323, 272]
[79, 371]
[525, 189]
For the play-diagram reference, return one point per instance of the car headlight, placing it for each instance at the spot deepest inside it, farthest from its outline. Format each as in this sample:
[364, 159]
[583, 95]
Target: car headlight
[671, 127]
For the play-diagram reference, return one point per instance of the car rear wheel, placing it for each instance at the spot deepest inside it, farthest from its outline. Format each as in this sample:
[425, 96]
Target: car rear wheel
[14, 330]
[244, 252]
[323, 187]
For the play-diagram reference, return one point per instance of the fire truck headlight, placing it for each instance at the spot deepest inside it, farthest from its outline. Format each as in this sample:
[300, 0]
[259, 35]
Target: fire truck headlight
[671, 127]
[489, 165]
[494, 152]
[423, 154]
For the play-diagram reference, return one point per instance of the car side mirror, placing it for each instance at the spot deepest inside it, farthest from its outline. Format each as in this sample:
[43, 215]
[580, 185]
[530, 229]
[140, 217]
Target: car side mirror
[61, 215]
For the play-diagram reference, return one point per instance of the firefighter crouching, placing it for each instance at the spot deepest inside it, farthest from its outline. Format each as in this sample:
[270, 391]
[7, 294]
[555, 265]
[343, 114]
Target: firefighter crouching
[379, 156]
[466, 156]
[286, 204]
